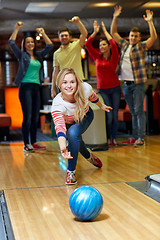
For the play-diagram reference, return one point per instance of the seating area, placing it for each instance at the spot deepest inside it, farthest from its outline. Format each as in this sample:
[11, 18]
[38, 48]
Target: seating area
[5, 123]
[10, 112]
[156, 106]
[125, 116]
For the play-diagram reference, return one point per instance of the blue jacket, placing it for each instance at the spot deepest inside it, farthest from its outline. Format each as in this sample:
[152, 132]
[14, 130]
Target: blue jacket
[24, 60]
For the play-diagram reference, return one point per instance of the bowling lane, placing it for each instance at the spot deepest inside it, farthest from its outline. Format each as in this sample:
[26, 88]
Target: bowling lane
[43, 213]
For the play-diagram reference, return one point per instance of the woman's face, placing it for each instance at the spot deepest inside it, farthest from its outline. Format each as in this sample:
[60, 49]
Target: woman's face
[29, 44]
[69, 85]
[104, 47]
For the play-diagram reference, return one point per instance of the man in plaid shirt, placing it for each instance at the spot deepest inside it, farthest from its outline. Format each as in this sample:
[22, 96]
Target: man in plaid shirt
[132, 70]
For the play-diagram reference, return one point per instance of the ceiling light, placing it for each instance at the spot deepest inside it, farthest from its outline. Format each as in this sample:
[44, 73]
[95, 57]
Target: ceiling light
[151, 5]
[102, 4]
[41, 7]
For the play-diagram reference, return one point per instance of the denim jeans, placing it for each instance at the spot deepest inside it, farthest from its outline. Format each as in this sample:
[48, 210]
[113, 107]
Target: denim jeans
[111, 97]
[75, 142]
[134, 95]
[29, 95]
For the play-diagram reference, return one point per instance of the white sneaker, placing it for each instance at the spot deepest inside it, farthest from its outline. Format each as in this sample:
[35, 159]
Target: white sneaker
[139, 142]
[71, 177]
[28, 148]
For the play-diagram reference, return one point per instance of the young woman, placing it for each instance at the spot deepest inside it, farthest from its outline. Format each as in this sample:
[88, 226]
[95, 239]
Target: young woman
[108, 85]
[72, 116]
[29, 76]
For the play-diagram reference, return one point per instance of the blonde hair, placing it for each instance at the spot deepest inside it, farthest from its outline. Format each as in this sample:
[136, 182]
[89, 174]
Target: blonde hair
[78, 95]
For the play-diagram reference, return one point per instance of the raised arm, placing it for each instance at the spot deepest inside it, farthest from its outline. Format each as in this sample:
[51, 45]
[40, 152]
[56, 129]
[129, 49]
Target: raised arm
[88, 44]
[106, 33]
[44, 35]
[81, 28]
[153, 34]
[113, 30]
[16, 30]
[95, 29]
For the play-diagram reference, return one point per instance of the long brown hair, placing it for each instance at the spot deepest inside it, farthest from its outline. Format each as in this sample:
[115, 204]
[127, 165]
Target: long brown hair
[106, 40]
[34, 50]
[79, 94]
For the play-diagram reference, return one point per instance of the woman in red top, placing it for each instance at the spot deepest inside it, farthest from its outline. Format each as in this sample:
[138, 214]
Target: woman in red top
[108, 85]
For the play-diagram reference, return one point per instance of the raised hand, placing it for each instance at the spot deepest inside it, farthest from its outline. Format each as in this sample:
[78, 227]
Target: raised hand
[96, 27]
[19, 24]
[75, 19]
[40, 30]
[117, 11]
[149, 16]
[16, 30]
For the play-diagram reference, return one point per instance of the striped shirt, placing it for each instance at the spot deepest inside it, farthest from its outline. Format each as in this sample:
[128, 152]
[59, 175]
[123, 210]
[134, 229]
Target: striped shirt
[138, 57]
[64, 112]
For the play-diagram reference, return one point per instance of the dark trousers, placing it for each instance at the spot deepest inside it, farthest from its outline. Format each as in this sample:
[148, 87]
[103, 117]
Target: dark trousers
[111, 97]
[29, 95]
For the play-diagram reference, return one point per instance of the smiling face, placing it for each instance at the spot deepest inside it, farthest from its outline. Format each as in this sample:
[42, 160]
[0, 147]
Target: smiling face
[65, 38]
[104, 47]
[68, 87]
[134, 37]
[29, 44]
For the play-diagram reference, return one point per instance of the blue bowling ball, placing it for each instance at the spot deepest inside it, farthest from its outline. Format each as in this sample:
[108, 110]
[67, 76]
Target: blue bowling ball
[86, 203]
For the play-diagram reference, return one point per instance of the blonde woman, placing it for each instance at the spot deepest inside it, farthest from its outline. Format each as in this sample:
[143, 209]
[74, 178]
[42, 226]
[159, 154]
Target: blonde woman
[72, 116]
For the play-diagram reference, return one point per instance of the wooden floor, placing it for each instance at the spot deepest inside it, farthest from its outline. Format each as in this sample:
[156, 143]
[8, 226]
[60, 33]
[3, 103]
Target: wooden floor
[37, 197]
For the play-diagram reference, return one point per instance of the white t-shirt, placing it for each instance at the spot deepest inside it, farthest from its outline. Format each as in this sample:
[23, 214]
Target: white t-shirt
[126, 68]
[64, 112]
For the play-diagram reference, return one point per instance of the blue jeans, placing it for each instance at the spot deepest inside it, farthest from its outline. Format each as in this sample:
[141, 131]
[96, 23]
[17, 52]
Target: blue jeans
[111, 97]
[29, 95]
[75, 142]
[134, 95]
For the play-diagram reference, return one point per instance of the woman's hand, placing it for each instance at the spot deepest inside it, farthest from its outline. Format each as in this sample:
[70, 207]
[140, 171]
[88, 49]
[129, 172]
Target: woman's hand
[66, 154]
[63, 148]
[103, 27]
[96, 27]
[106, 108]
[16, 30]
[19, 24]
